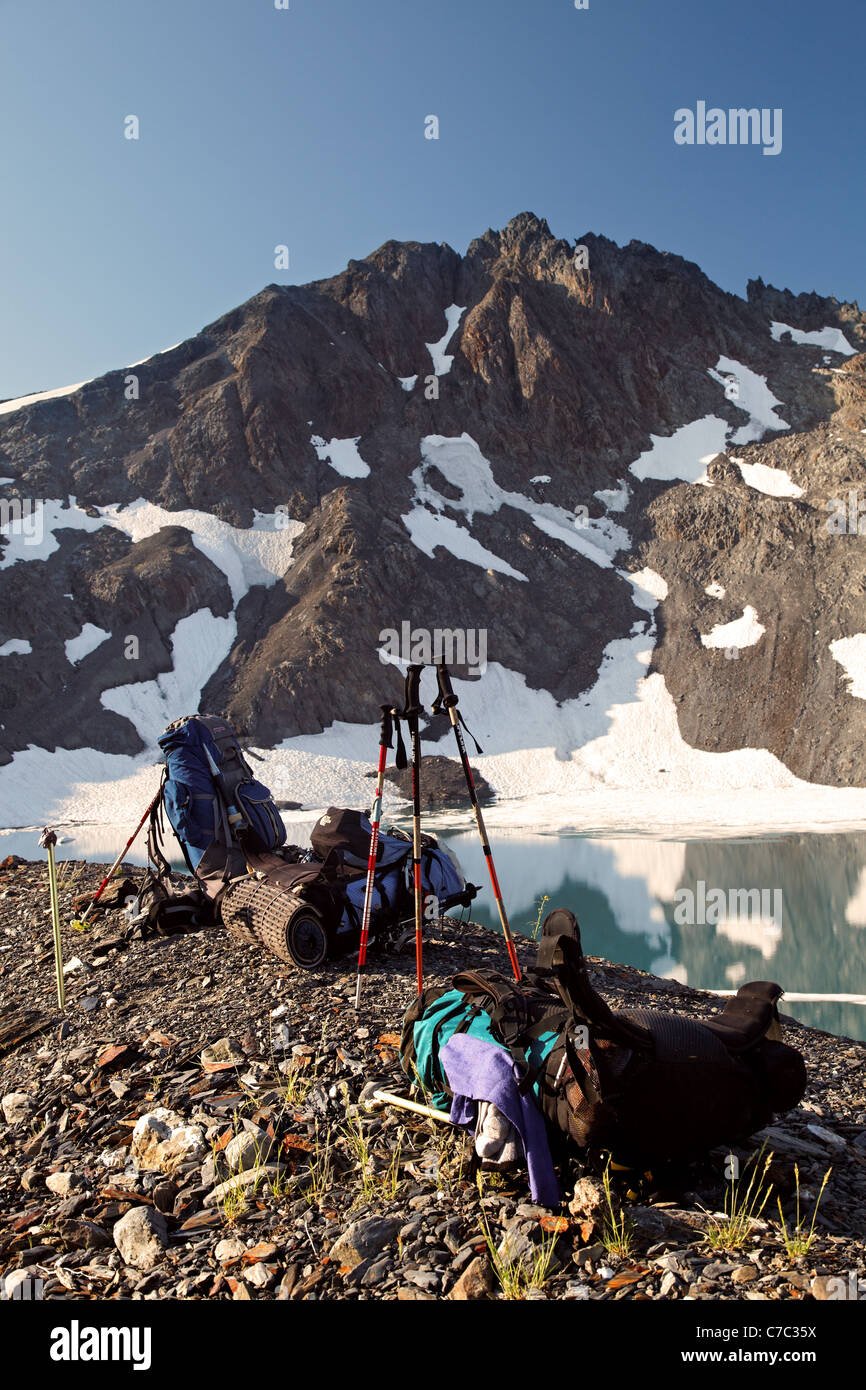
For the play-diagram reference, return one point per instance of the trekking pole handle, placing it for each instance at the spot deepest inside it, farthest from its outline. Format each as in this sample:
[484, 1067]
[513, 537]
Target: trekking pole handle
[447, 698]
[386, 733]
[413, 691]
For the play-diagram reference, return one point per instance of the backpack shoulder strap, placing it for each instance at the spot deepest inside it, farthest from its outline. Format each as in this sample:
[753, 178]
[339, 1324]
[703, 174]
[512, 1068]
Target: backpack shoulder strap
[233, 767]
[562, 963]
[156, 836]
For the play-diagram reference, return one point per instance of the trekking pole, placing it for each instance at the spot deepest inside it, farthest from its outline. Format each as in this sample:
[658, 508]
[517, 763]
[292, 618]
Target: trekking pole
[448, 700]
[385, 735]
[411, 712]
[81, 922]
[47, 841]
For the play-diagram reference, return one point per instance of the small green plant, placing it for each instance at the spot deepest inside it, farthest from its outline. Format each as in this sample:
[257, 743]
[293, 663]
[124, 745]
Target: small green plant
[518, 1274]
[541, 905]
[618, 1235]
[280, 1185]
[417, 1080]
[741, 1209]
[386, 1182]
[359, 1148]
[233, 1205]
[320, 1178]
[390, 1179]
[301, 1080]
[798, 1241]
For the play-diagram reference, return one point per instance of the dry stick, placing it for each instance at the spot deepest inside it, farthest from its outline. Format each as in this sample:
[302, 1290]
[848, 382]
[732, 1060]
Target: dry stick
[412, 1105]
[47, 841]
[81, 921]
[448, 700]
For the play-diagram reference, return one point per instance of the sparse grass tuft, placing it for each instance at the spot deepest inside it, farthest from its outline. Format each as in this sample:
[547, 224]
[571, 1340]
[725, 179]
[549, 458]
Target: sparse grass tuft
[516, 1274]
[542, 901]
[233, 1205]
[741, 1210]
[798, 1241]
[320, 1178]
[386, 1183]
[618, 1235]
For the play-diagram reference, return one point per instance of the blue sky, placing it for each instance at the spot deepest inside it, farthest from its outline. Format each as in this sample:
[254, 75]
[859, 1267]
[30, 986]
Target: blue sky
[305, 127]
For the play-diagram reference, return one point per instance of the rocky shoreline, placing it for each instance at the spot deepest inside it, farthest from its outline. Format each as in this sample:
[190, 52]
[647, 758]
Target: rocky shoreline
[198, 1126]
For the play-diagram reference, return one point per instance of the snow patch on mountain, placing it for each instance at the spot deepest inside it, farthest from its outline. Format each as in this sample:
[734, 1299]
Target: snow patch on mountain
[199, 645]
[715, 590]
[16, 647]
[775, 482]
[247, 556]
[88, 639]
[611, 757]
[428, 530]
[461, 463]
[342, 455]
[153, 356]
[832, 338]
[683, 454]
[615, 499]
[850, 652]
[752, 396]
[742, 632]
[441, 363]
[30, 533]
[7, 407]
[650, 588]
[259, 554]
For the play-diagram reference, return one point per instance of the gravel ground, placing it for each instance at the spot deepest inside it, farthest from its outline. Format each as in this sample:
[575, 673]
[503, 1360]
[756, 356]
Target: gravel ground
[263, 1173]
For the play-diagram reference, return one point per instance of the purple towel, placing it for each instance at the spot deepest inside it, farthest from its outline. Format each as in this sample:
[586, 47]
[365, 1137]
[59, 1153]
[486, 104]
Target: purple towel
[479, 1070]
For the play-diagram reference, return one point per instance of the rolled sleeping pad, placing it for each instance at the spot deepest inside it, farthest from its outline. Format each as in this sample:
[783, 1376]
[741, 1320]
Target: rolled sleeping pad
[282, 922]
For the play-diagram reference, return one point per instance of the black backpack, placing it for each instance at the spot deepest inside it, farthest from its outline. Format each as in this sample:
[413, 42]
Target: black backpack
[647, 1085]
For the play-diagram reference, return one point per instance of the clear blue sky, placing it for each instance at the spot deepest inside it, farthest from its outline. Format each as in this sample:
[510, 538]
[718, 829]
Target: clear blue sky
[305, 126]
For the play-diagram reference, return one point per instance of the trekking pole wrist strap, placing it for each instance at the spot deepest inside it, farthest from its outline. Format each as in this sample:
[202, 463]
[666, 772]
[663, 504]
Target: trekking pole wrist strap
[446, 699]
[390, 723]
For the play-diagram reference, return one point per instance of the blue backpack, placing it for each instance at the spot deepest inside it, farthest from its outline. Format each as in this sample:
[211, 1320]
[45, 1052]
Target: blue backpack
[341, 841]
[215, 806]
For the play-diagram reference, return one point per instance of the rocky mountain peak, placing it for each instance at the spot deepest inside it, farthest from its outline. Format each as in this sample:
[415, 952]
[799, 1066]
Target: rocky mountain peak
[491, 442]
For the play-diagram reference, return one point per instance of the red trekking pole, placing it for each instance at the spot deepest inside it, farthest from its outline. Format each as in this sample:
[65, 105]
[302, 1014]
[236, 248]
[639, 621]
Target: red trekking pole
[448, 700]
[411, 712]
[81, 922]
[385, 736]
